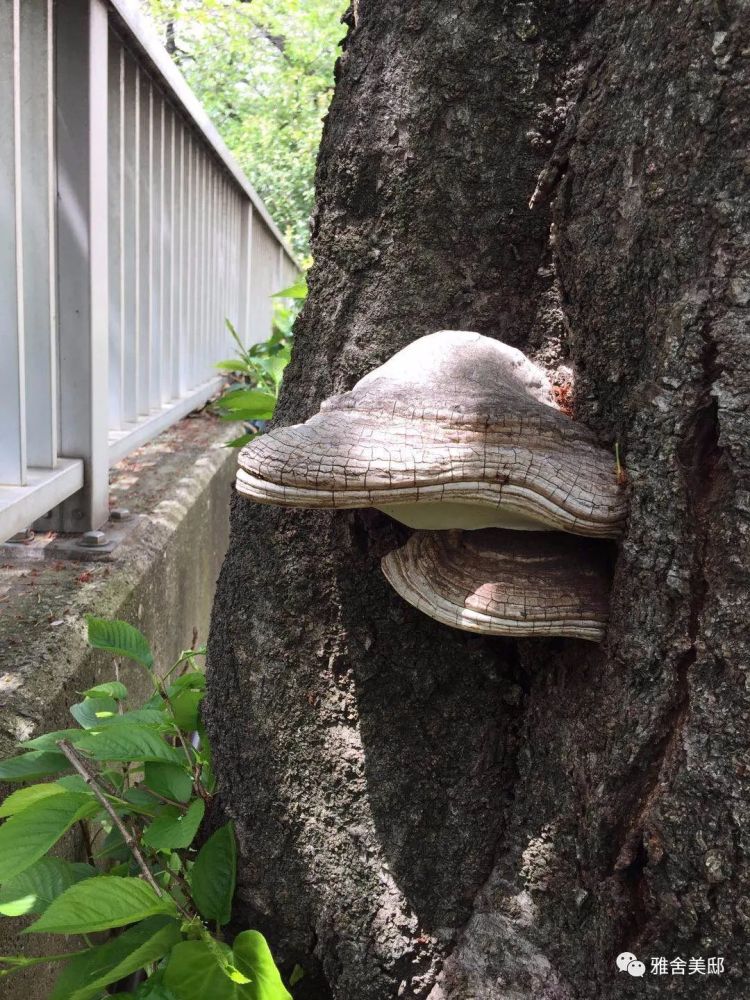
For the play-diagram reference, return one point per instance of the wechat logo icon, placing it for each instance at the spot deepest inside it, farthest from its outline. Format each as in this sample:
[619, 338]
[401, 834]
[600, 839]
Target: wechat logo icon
[627, 962]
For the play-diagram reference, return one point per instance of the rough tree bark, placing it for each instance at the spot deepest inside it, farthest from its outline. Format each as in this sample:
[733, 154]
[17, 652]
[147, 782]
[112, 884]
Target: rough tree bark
[424, 813]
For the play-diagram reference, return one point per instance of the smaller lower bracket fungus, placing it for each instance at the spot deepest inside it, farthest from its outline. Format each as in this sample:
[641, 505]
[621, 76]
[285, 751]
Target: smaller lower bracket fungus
[511, 583]
[456, 430]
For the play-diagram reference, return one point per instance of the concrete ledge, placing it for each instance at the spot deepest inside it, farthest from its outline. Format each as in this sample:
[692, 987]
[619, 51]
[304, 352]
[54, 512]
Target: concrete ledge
[161, 578]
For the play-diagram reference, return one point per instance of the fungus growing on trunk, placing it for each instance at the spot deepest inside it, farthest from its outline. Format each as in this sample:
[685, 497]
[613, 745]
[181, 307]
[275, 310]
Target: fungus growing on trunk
[505, 582]
[455, 431]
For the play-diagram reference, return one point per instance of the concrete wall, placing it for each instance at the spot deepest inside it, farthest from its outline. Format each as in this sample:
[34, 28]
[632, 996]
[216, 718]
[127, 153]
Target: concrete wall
[161, 579]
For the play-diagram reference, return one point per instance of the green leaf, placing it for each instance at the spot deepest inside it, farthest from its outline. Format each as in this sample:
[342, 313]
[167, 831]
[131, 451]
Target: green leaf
[139, 716]
[74, 782]
[154, 988]
[275, 366]
[34, 889]
[213, 874]
[169, 780]
[24, 838]
[119, 638]
[297, 973]
[296, 291]
[49, 741]
[247, 404]
[111, 689]
[114, 848]
[199, 969]
[195, 680]
[33, 765]
[91, 712]
[235, 336]
[24, 797]
[185, 705]
[86, 975]
[143, 800]
[241, 441]
[132, 743]
[253, 957]
[234, 365]
[193, 971]
[172, 829]
[97, 904]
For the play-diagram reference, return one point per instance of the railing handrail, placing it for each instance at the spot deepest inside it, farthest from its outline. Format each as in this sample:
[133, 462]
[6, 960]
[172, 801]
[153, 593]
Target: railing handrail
[145, 37]
[115, 299]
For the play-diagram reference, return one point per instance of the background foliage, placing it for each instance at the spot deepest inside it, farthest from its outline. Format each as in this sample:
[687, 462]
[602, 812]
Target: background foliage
[263, 69]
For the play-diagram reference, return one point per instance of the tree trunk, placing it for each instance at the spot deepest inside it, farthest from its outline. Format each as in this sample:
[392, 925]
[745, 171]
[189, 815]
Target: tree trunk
[427, 814]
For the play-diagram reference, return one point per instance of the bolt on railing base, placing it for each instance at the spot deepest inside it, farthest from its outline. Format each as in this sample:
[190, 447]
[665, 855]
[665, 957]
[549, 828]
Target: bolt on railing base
[89, 546]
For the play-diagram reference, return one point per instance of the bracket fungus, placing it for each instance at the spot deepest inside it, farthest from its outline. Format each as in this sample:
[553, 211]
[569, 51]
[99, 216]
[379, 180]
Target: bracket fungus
[456, 430]
[509, 583]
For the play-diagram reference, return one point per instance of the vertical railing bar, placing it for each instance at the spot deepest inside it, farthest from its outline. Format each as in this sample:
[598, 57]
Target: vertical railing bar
[191, 268]
[236, 252]
[167, 222]
[246, 250]
[193, 259]
[121, 234]
[231, 310]
[179, 274]
[83, 300]
[224, 253]
[224, 310]
[156, 248]
[130, 233]
[138, 187]
[221, 310]
[229, 232]
[218, 320]
[231, 277]
[200, 251]
[115, 221]
[203, 353]
[12, 372]
[215, 320]
[163, 342]
[187, 288]
[38, 207]
[139, 194]
[144, 246]
[208, 310]
[202, 259]
[52, 229]
[170, 271]
[121, 276]
[211, 272]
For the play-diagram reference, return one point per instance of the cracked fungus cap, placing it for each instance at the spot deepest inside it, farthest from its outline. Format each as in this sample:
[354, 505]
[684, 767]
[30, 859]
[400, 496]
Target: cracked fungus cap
[510, 583]
[455, 431]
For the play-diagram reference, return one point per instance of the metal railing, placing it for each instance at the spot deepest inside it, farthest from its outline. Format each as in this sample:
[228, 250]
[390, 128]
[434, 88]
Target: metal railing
[129, 235]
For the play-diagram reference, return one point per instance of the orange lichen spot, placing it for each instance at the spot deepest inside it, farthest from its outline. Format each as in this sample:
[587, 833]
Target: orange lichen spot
[563, 395]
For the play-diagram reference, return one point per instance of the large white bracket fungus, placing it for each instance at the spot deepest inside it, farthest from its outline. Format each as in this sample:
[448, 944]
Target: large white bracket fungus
[505, 582]
[455, 431]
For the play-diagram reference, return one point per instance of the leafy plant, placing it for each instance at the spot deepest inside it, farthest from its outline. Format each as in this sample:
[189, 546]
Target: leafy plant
[138, 783]
[257, 370]
[264, 72]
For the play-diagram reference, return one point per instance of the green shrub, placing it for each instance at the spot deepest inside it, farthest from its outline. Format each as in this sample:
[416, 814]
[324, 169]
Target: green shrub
[138, 782]
[256, 371]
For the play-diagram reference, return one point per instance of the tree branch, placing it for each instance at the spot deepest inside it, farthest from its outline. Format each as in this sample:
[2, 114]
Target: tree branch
[67, 748]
